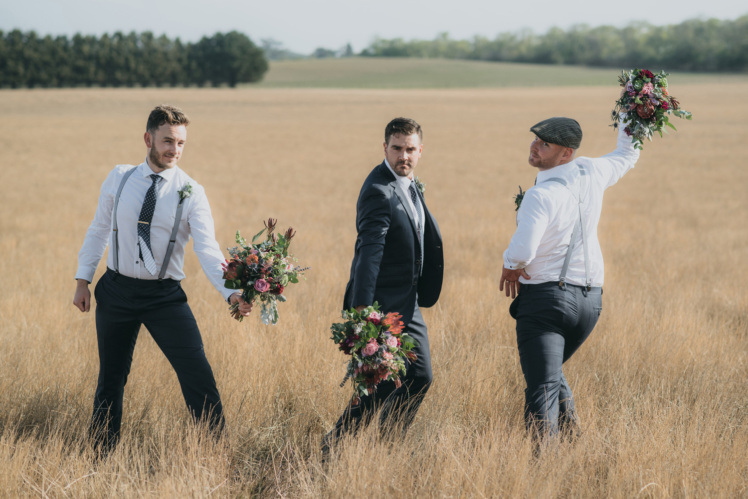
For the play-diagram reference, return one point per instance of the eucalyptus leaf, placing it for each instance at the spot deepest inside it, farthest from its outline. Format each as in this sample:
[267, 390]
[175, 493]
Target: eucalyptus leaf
[258, 235]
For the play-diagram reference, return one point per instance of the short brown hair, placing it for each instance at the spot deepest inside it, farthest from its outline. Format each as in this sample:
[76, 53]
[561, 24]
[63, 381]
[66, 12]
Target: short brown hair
[165, 114]
[402, 126]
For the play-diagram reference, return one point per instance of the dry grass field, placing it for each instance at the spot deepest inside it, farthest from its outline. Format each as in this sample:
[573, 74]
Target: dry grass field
[661, 384]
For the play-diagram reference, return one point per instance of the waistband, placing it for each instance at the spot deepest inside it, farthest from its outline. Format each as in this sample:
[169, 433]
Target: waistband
[556, 284]
[144, 283]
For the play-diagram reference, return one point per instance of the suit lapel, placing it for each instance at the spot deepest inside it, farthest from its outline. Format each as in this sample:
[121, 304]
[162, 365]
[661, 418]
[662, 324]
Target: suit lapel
[401, 196]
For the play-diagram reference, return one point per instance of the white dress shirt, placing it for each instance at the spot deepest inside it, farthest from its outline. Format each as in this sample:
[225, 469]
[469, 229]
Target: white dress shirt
[549, 211]
[196, 221]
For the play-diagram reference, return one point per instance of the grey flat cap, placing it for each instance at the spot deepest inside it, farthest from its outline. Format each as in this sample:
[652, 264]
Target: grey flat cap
[565, 132]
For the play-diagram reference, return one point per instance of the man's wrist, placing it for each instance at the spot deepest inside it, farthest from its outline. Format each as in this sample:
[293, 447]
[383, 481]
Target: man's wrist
[82, 283]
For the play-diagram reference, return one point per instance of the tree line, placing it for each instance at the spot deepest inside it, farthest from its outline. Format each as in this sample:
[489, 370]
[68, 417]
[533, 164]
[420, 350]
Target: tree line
[693, 45]
[142, 59]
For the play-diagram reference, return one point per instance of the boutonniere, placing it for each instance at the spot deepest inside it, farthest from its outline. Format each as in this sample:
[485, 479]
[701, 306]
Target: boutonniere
[185, 192]
[518, 198]
[421, 186]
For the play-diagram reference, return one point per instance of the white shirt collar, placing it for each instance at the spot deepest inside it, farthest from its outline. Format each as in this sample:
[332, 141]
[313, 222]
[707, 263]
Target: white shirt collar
[165, 175]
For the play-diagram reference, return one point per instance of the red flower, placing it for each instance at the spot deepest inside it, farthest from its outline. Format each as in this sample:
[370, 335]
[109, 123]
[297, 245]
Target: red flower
[645, 110]
[375, 318]
[665, 105]
[278, 290]
[348, 343]
[647, 73]
[232, 270]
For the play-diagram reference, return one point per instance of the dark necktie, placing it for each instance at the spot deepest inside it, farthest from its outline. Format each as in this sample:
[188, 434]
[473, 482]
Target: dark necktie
[144, 226]
[419, 225]
[416, 204]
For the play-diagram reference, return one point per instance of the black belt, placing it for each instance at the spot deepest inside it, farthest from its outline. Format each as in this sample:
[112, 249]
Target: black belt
[117, 277]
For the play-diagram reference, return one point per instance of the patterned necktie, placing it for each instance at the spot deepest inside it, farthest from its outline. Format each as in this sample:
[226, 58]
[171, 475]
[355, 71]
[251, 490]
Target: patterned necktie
[417, 206]
[144, 226]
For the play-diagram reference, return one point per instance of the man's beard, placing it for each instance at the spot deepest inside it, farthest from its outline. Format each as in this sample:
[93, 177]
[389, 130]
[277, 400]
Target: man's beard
[153, 159]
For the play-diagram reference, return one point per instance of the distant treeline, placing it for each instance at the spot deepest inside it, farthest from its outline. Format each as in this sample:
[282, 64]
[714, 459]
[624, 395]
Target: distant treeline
[694, 45]
[27, 60]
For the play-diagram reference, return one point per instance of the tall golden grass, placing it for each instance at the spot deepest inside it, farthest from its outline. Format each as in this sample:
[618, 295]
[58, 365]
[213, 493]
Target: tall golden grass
[661, 384]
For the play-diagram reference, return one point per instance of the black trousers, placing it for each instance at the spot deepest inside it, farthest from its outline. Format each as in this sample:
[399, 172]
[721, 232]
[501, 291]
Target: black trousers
[552, 323]
[399, 405]
[122, 305]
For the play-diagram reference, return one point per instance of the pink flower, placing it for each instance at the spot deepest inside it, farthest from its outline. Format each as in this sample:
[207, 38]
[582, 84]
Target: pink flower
[262, 285]
[370, 348]
[647, 89]
[375, 318]
[391, 341]
[387, 356]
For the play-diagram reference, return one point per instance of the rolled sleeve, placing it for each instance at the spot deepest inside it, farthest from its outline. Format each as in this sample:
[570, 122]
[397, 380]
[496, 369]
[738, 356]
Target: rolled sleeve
[532, 220]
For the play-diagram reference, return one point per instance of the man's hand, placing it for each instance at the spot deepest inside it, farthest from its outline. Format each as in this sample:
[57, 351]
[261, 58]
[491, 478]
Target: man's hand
[244, 308]
[511, 279]
[82, 298]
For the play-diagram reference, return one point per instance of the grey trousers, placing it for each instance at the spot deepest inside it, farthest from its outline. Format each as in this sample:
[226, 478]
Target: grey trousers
[552, 323]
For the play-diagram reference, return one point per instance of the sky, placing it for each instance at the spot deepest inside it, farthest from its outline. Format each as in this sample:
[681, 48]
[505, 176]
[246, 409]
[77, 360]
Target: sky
[304, 25]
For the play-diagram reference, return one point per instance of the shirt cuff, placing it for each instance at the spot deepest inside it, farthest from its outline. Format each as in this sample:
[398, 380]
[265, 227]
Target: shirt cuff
[227, 294]
[86, 274]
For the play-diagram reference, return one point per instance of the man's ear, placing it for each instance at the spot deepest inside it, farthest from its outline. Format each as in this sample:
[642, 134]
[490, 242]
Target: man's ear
[148, 140]
[568, 154]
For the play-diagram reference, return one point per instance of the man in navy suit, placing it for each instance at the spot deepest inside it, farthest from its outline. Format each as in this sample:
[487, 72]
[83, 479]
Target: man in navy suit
[399, 263]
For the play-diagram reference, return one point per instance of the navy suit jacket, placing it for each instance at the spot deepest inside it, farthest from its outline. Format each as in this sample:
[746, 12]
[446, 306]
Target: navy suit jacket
[386, 261]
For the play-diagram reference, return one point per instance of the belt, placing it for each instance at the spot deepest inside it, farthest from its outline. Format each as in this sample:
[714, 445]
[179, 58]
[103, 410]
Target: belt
[558, 284]
[117, 277]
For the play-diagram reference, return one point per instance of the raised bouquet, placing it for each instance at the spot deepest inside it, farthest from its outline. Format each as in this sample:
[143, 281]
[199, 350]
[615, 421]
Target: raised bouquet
[262, 270]
[645, 105]
[377, 346]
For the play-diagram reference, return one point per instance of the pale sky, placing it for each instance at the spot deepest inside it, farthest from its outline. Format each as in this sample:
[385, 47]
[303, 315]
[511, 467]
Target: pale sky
[304, 25]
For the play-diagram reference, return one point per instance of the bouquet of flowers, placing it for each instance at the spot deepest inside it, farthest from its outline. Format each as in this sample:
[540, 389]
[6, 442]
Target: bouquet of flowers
[377, 346]
[262, 270]
[645, 105]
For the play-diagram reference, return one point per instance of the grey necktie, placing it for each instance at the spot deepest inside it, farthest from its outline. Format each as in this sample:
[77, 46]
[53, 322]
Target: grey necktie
[416, 204]
[419, 223]
[144, 226]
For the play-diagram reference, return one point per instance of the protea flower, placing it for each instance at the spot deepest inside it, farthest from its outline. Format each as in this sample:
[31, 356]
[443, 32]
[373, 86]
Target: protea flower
[645, 110]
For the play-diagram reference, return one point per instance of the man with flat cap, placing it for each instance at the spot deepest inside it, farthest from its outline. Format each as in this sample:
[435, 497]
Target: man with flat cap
[553, 267]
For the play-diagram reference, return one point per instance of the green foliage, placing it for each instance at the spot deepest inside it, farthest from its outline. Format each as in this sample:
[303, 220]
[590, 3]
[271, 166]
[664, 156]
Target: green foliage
[693, 45]
[132, 59]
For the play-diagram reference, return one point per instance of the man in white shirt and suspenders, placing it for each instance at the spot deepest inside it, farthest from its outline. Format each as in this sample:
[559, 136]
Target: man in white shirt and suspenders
[553, 267]
[147, 214]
